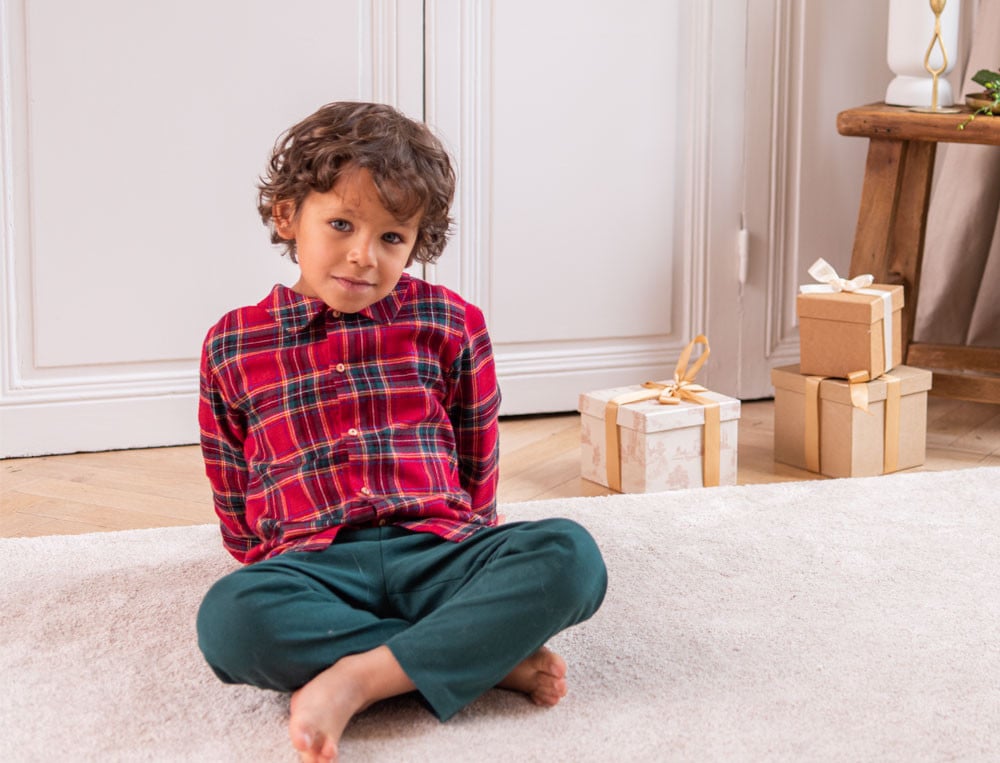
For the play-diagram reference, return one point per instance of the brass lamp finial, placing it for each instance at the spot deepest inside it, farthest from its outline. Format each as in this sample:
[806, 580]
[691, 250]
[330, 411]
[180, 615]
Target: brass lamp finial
[937, 6]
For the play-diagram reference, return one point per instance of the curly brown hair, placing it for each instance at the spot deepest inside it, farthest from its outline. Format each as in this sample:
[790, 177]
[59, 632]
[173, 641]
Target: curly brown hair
[409, 166]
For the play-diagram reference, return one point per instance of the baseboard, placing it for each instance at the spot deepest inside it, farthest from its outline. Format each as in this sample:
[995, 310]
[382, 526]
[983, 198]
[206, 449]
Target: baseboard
[37, 429]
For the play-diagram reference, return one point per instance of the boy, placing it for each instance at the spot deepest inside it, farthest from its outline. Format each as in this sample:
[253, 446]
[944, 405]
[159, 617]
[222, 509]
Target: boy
[349, 431]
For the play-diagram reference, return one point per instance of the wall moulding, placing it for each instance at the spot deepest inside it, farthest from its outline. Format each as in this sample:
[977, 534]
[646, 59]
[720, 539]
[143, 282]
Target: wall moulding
[392, 39]
[115, 387]
[786, 151]
[14, 323]
[91, 372]
[575, 357]
[94, 424]
[457, 58]
[692, 240]
[69, 408]
[23, 381]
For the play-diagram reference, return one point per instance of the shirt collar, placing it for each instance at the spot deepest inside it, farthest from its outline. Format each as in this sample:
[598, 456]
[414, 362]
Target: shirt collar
[295, 312]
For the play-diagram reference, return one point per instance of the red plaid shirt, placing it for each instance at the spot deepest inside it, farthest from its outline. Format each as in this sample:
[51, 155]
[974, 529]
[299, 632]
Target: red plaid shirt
[313, 420]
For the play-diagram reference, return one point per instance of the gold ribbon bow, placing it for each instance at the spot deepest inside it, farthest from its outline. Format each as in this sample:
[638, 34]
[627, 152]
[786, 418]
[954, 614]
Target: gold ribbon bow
[858, 385]
[681, 388]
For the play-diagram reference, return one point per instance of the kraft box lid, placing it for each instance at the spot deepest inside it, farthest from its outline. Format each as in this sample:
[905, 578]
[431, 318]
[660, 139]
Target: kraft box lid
[848, 306]
[651, 416]
[911, 380]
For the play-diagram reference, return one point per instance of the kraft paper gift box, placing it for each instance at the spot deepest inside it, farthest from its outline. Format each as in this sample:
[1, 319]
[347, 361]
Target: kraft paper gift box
[661, 446]
[820, 426]
[848, 325]
[844, 332]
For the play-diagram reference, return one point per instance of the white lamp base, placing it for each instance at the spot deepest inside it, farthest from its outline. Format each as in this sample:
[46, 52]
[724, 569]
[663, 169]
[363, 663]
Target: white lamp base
[916, 91]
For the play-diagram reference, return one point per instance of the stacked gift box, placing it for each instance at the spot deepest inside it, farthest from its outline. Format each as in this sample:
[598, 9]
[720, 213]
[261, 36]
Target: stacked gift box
[849, 408]
[660, 435]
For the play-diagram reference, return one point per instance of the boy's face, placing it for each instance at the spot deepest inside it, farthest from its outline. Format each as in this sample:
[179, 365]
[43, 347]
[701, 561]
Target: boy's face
[351, 250]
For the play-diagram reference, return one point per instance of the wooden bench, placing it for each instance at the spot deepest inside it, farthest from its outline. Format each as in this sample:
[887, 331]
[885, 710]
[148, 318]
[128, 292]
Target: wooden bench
[889, 240]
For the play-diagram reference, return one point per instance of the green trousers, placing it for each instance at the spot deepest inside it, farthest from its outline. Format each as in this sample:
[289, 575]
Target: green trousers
[457, 616]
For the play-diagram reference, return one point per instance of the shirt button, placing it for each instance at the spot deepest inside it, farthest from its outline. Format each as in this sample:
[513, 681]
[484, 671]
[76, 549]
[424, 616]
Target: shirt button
[336, 313]
[381, 523]
[341, 367]
[352, 432]
[365, 491]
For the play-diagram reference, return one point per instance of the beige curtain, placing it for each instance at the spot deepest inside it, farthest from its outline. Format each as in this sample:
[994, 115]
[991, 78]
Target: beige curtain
[960, 280]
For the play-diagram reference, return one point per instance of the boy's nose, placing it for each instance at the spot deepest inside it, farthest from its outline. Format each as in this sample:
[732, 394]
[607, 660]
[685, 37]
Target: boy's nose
[362, 251]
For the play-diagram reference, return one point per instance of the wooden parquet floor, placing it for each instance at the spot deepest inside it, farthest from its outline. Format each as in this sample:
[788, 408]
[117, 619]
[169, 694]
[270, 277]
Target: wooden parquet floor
[161, 487]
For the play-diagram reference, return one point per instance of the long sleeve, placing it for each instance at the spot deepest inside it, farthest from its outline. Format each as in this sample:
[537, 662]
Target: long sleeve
[222, 434]
[473, 412]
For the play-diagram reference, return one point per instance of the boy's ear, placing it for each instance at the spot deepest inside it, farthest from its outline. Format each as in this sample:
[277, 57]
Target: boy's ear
[283, 214]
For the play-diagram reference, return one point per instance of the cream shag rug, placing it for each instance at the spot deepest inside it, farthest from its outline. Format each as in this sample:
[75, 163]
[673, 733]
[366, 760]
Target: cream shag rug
[822, 621]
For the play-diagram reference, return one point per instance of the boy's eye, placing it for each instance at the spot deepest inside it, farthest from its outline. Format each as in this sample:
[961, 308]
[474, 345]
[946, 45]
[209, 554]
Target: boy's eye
[341, 225]
[393, 238]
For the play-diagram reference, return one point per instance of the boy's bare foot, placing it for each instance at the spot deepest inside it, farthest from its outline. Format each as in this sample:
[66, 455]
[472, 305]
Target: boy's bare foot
[321, 709]
[542, 676]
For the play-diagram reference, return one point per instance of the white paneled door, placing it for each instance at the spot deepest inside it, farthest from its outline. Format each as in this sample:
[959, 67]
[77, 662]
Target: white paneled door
[800, 181]
[566, 121]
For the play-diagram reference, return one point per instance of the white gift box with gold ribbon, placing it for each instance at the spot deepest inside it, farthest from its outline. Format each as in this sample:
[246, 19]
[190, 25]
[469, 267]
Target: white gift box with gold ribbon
[846, 326]
[843, 429]
[660, 447]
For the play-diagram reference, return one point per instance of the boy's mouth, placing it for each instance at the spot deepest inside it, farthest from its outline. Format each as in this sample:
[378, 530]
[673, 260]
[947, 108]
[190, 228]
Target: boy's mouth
[352, 284]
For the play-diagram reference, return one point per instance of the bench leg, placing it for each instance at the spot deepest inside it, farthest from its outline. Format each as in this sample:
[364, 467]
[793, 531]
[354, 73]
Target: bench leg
[889, 241]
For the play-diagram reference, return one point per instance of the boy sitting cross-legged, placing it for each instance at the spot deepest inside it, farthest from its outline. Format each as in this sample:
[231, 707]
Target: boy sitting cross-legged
[349, 431]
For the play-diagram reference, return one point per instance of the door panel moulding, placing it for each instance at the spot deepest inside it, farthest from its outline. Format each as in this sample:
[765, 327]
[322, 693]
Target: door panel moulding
[135, 402]
[786, 152]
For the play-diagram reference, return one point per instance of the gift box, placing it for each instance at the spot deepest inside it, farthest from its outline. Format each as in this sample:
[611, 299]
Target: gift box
[646, 446]
[848, 331]
[848, 325]
[844, 429]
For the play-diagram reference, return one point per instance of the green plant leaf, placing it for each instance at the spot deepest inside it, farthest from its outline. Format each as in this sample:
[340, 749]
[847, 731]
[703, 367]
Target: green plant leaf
[985, 78]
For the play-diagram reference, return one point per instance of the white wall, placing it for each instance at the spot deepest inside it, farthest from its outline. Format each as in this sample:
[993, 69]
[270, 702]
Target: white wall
[132, 136]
